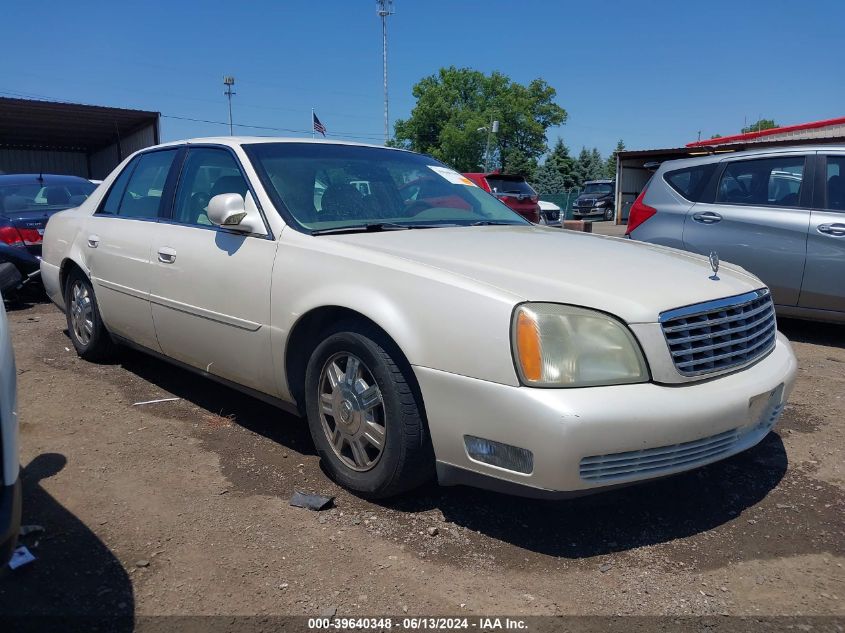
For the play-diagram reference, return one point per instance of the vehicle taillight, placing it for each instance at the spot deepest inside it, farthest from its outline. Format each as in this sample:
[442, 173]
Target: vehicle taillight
[10, 235]
[639, 213]
[31, 237]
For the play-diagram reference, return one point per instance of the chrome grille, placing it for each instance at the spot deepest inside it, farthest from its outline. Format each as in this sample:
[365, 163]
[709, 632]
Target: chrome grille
[717, 336]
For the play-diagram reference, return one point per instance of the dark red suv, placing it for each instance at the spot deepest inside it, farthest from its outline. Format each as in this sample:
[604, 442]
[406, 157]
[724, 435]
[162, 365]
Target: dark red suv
[514, 191]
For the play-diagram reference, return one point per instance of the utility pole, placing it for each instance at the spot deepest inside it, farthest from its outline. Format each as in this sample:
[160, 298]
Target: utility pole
[229, 81]
[385, 8]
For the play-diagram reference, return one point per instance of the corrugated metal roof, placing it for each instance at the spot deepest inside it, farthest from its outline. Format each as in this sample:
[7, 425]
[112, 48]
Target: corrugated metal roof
[775, 131]
[31, 124]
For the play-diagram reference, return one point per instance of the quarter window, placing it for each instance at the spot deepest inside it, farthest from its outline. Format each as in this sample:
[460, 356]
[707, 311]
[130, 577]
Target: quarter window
[691, 182]
[836, 183]
[207, 172]
[772, 182]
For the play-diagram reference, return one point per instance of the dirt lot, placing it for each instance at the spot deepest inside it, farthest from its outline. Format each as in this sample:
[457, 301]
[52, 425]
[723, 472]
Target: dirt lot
[182, 508]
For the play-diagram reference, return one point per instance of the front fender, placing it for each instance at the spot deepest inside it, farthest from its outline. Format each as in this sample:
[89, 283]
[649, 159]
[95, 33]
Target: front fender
[439, 320]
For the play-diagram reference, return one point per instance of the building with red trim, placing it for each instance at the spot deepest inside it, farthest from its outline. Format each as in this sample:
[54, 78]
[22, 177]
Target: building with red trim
[819, 131]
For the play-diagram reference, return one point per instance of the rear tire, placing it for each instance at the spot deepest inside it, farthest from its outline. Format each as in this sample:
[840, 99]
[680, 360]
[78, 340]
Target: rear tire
[365, 417]
[84, 324]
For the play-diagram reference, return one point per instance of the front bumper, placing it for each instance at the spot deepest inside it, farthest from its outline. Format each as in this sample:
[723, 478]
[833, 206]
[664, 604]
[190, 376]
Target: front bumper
[10, 519]
[583, 213]
[579, 437]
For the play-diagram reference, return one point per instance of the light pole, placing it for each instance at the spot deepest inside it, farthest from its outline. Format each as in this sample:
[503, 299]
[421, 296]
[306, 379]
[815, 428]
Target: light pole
[385, 8]
[229, 81]
[493, 128]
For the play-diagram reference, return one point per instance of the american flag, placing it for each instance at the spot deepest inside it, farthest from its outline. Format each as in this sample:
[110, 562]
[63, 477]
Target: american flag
[318, 126]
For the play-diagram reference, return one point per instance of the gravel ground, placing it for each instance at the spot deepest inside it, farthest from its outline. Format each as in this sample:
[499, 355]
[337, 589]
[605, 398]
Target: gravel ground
[182, 507]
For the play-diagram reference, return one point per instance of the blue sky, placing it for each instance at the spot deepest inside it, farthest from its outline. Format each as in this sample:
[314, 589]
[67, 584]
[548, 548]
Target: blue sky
[651, 73]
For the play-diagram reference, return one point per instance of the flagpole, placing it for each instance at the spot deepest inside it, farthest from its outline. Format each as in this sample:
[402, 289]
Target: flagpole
[313, 131]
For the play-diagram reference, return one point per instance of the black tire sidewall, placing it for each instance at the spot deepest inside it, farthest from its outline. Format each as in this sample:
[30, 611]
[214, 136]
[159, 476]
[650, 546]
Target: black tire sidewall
[372, 483]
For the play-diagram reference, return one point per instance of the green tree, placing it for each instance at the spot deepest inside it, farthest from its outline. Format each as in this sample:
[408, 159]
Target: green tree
[454, 103]
[583, 167]
[517, 162]
[762, 124]
[557, 173]
[596, 164]
[610, 165]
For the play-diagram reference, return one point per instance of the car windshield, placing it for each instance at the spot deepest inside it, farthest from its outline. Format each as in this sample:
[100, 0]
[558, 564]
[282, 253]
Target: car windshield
[48, 197]
[598, 187]
[326, 186]
[500, 184]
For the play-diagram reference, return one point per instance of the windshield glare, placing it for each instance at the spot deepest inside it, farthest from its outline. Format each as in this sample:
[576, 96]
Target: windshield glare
[38, 197]
[598, 188]
[326, 186]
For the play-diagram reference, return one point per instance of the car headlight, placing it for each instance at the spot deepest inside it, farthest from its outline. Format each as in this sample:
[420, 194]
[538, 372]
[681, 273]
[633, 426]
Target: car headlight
[601, 203]
[557, 345]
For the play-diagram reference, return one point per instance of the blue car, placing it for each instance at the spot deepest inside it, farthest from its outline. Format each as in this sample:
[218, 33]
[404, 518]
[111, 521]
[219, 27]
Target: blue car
[26, 203]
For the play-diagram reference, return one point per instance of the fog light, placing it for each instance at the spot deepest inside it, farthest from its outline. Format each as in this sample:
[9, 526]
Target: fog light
[497, 454]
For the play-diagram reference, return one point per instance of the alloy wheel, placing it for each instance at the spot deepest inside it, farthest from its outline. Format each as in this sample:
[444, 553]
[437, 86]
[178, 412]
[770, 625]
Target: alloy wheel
[352, 411]
[81, 312]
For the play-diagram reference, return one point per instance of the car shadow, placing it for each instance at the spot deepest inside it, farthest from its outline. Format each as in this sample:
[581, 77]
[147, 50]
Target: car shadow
[25, 298]
[75, 578]
[815, 332]
[247, 411]
[618, 520]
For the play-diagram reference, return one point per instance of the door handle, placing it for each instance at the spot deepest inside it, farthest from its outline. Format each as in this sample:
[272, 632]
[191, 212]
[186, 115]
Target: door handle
[836, 229]
[166, 255]
[708, 217]
[93, 241]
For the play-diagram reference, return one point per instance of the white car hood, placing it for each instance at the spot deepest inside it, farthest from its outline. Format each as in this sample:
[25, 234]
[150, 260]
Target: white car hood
[632, 280]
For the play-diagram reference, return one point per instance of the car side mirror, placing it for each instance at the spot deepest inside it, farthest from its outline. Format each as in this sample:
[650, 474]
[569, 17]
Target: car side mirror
[232, 211]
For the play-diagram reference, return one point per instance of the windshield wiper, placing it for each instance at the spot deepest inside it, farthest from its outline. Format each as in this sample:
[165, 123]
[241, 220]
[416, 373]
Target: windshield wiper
[374, 227]
[493, 223]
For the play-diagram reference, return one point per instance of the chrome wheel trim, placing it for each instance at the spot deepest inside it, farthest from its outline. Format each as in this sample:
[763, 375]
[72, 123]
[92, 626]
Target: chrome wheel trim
[81, 312]
[352, 411]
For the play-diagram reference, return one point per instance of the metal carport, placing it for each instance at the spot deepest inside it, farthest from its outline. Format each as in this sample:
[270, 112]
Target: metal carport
[70, 138]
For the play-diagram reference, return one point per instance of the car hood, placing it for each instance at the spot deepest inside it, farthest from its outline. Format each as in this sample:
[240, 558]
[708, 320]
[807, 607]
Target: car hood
[632, 280]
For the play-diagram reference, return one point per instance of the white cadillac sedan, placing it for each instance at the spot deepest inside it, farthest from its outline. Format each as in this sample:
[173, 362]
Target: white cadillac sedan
[398, 307]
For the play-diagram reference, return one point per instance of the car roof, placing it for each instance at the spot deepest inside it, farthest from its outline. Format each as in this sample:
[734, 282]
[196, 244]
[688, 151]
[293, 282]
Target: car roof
[234, 141]
[54, 179]
[680, 163]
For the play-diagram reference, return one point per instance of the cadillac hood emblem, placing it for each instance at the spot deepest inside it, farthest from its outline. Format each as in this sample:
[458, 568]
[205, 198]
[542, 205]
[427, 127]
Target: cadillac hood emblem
[714, 264]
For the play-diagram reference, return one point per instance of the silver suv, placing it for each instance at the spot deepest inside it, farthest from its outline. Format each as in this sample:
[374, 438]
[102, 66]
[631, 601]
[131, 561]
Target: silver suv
[779, 213]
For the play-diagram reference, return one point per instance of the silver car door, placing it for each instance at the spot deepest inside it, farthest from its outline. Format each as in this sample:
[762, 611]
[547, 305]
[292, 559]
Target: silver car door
[824, 277]
[757, 221]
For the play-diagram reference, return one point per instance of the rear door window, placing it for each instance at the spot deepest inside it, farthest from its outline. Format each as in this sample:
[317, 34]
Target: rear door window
[142, 195]
[768, 182]
[691, 182]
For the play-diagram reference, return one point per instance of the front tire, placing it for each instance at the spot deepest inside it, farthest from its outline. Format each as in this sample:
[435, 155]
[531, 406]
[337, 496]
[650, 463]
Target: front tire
[365, 417]
[84, 324]
[608, 215]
